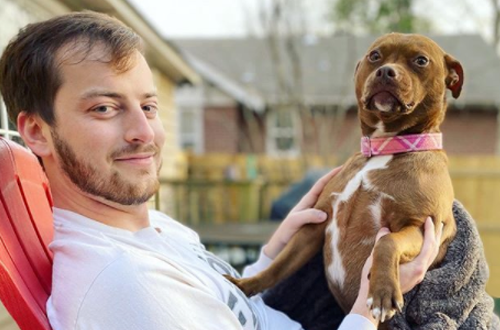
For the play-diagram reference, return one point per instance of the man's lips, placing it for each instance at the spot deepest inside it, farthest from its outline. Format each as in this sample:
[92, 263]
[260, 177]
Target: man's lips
[137, 159]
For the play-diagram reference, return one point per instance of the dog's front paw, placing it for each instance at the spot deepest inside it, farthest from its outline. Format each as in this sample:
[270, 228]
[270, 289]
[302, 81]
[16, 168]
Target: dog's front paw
[249, 286]
[384, 299]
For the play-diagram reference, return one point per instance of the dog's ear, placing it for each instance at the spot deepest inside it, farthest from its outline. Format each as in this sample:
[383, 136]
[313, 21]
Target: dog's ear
[356, 70]
[455, 78]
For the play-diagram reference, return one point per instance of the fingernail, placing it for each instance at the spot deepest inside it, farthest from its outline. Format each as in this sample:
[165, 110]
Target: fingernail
[321, 215]
[384, 230]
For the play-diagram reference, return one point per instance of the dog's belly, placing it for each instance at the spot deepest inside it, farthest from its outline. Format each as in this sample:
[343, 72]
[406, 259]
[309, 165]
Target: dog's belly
[349, 249]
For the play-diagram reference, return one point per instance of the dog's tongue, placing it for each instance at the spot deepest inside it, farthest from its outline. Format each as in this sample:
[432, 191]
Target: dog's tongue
[384, 101]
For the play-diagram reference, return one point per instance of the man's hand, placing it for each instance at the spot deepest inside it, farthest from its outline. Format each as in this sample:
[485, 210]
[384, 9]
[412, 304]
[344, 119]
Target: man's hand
[413, 272]
[301, 214]
[410, 274]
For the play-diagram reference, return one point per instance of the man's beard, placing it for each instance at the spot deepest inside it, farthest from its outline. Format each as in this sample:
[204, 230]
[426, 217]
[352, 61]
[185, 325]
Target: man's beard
[112, 187]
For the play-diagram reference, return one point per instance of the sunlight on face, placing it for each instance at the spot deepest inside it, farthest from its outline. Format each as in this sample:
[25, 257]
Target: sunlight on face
[108, 136]
[113, 186]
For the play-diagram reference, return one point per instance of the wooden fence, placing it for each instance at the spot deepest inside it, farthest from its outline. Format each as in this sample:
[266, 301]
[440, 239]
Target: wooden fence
[476, 181]
[241, 188]
[235, 188]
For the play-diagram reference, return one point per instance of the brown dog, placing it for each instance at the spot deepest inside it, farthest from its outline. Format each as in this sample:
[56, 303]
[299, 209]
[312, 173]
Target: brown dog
[400, 86]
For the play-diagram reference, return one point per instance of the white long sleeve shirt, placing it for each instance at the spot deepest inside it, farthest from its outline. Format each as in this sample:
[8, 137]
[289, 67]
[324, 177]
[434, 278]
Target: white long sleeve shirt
[160, 277]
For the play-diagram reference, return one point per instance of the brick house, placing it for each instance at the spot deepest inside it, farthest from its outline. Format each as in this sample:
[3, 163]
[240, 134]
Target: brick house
[237, 108]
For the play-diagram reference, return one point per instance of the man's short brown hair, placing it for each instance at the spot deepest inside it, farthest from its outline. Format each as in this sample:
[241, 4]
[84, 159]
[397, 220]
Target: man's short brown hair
[29, 68]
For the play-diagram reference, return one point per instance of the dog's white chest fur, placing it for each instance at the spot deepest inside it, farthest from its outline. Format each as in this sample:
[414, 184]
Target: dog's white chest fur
[336, 271]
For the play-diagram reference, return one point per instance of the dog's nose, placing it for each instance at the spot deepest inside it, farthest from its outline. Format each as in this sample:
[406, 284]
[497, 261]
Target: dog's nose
[386, 72]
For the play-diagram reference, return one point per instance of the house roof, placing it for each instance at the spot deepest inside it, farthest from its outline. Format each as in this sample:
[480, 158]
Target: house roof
[244, 95]
[159, 52]
[328, 66]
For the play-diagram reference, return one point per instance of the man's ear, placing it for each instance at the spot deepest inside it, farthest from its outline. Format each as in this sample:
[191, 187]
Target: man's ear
[455, 78]
[34, 132]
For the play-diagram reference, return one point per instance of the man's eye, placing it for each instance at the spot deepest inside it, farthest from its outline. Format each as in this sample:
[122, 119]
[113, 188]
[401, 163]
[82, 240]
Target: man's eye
[150, 110]
[374, 56]
[421, 61]
[102, 109]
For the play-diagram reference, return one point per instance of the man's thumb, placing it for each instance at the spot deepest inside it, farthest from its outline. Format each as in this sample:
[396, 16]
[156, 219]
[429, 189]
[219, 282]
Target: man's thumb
[313, 215]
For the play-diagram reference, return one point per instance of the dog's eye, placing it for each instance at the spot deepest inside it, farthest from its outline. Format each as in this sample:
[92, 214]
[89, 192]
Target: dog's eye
[374, 56]
[421, 61]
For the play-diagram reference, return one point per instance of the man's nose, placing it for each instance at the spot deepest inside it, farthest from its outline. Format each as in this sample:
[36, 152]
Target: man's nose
[138, 126]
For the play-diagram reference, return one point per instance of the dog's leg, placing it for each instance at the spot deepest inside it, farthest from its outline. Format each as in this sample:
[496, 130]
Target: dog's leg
[385, 295]
[300, 249]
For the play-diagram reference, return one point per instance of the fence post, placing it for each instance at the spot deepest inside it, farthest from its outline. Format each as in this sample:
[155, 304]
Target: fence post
[157, 199]
[498, 130]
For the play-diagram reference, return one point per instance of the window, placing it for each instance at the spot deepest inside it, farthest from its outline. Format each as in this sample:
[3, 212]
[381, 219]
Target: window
[7, 129]
[191, 129]
[282, 127]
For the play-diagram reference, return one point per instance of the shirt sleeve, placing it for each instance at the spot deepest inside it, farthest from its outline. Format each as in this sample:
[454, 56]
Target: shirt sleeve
[262, 263]
[126, 296]
[356, 321]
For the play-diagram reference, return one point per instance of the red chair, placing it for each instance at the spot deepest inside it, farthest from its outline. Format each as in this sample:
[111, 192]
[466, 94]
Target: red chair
[25, 232]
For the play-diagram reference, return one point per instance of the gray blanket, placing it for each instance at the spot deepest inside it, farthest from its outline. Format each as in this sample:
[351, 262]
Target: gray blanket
[451, 296]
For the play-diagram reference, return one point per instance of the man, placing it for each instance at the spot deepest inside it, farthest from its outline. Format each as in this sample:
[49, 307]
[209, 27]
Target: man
[85, 103]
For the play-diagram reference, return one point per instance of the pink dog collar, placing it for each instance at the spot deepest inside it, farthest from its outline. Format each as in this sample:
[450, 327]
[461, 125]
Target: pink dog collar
[400, 144]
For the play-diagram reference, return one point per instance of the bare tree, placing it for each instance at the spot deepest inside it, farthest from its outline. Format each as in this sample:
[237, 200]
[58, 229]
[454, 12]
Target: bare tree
[377, 16]
[496, 23]
[283, 25]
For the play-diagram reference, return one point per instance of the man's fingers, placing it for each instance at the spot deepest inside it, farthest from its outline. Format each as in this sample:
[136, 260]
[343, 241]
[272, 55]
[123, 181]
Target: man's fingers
[381, 233]
[429, 228]
[306, 216]
[430, 248]
[429, 238]
[439, 233]
[413, 272]
[368, 264]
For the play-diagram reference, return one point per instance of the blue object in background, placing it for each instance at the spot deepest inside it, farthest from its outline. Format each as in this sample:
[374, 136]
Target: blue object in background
[283, 204]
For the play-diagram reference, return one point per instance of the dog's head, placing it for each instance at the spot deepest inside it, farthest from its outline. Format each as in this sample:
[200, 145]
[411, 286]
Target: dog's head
[401, 84]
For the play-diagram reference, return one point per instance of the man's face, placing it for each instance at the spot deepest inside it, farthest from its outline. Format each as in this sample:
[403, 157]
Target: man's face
[108, 136]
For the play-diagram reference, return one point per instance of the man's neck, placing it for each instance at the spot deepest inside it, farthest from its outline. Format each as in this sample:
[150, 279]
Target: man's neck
[69, 197]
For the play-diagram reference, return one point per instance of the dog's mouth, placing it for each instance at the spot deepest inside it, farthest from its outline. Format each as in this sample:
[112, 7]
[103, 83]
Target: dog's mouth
[387, 101]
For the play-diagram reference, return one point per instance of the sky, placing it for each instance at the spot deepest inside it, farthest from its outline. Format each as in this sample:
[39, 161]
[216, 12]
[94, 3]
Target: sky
[236, 18]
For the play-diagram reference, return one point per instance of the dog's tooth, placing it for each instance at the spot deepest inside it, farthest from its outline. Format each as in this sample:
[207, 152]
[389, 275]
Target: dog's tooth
[400, 307]
[390, 314]
[369, 302]
[376, 312]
